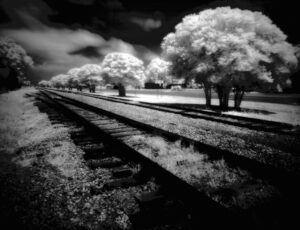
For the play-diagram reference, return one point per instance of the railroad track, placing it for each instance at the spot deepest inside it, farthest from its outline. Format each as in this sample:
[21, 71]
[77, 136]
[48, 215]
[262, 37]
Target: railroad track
[244, 122]
[174, 203]
[117, 131]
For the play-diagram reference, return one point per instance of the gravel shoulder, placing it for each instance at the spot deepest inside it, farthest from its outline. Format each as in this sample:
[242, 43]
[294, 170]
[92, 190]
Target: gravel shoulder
[44, 182]
[276, 149]
[286, 113]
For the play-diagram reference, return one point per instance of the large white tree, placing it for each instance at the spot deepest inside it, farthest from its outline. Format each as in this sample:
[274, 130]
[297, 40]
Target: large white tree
[73, 80]
[15, 58]
[230, 48]
[123, 69]
[158, 71]
[90, 76]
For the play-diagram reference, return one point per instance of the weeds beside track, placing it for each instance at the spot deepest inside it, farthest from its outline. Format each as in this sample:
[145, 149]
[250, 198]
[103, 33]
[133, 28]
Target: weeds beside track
[281, 179]
[239, 121]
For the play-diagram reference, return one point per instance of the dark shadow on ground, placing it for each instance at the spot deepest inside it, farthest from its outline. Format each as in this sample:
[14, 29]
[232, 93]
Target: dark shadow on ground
[214, 108]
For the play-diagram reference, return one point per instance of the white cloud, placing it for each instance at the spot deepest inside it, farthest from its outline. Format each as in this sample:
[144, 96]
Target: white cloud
[55, 46]
[117, 45]
[146, 24]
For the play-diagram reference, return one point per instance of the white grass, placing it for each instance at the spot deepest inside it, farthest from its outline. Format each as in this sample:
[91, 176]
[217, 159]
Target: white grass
[187, 164]
[265, 147]
[278, 112]
[209, 176]
[25, 132]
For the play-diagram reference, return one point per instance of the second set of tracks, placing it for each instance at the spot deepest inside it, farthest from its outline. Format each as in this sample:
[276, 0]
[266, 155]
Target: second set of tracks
[197, 113]
[116, 130]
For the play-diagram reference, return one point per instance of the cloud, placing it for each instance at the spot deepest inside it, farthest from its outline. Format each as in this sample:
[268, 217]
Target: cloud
[117, 45]
[146, 24]
[36, 8]
[59, 49]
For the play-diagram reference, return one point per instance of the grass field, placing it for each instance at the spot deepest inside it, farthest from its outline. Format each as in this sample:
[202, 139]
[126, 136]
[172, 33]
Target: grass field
[274, 107]
[267, 147]
[291, 99]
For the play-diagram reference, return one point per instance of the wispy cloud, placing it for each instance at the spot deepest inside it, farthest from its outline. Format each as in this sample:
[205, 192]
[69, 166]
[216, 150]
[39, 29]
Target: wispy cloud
[60, 49]
[146, 24]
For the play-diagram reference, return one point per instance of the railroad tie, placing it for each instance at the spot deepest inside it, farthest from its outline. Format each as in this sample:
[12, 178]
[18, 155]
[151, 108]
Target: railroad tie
[127, 134]
[92, 154]
[150, 200]
[109, 162]
[91, 146]
[123, 172]
[122, 183]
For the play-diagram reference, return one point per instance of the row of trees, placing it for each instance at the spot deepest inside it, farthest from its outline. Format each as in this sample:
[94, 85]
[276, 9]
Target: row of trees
[224, 49]
[120, 69]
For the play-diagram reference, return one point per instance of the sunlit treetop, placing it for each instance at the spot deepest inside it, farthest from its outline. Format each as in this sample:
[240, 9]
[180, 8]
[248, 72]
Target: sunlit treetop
[123, 68]
[44, 83]
[60, 80]
[73, 79]
[73, 72]
[90, 70]
[90, 74]
[13, 55]
[222, 42]
[158, 69]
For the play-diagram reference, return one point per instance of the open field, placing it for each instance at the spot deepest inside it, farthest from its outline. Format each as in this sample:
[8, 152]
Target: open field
[291, 99]
[274, 107]
[277, 149]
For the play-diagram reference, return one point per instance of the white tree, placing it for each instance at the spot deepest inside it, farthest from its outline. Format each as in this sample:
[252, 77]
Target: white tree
[158, 71]
[123, 69]
[90, 76]
[229, 48]
[73, 80]
[60, 81]
[15, 58]
[44, 84]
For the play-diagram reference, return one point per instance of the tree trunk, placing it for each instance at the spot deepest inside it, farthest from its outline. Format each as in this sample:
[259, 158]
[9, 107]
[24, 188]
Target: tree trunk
[122, 90]
[225, 100]
[238, 97]
[12, 81]
[223, 94]
[207, 91]
[220, 95]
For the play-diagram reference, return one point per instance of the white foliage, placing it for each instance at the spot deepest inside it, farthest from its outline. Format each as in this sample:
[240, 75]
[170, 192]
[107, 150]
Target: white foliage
[60, 80]
[13, 54]
[44, 83]
[90, 74]
[73, 80]
[230, 40]
[158, 70]
[73, 72]
[123, 68]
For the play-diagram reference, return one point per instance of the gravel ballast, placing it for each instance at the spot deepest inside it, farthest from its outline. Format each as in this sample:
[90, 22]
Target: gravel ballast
[44, 181]
[276, 149]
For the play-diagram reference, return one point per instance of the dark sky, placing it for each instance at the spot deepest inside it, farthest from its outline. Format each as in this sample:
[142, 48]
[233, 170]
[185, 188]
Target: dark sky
[61, 34]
